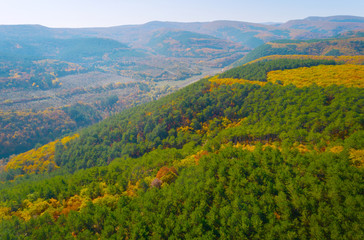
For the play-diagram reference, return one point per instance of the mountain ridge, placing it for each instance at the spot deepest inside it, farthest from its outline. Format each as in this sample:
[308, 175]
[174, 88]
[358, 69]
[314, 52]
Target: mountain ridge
[215, 28]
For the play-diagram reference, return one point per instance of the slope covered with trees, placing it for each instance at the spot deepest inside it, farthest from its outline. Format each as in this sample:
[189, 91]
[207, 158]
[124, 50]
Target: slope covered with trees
[318, 47]
[23, 130]
[213, 160]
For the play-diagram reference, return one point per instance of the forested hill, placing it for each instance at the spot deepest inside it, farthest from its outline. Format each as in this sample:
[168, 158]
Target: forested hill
[353, 46]
[228, 157]
[52, 80]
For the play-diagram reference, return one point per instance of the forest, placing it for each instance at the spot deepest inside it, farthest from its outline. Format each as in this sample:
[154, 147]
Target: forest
[218, 159]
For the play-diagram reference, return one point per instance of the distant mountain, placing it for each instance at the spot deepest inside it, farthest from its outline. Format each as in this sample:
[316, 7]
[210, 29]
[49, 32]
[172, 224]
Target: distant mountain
[190, 44]
[16, 32]
[322, 27]
[250, 35]
[77, 49]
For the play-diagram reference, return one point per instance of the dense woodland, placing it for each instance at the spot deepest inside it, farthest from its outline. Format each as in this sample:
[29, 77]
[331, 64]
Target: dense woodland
[23, 130]
[215, 160]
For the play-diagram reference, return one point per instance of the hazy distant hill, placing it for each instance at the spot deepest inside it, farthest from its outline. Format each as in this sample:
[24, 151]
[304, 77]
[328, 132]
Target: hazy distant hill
[190, 44]
[249, 34]
[16, 32]
[76, 49]
[321, 27]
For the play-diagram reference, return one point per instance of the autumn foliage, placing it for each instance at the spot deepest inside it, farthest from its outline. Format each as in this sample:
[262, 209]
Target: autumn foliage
[37, 160]
[324, 75]
[21, 130]
[167, 174]
[230, 81]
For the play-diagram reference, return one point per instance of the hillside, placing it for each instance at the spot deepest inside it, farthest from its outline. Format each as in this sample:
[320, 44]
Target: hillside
[319, 47]
[76, 107]
[43, 76]
[42, 68]
[216, 159]
[190, 44]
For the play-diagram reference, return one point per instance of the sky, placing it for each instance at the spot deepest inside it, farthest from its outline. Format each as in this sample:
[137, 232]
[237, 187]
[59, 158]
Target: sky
[105, 13]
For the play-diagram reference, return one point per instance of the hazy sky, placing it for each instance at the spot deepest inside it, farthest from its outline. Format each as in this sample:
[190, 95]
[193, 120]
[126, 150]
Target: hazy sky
[99, 13]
